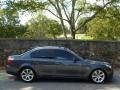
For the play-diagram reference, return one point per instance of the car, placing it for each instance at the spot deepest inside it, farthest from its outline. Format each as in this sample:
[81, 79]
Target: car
[54, 61]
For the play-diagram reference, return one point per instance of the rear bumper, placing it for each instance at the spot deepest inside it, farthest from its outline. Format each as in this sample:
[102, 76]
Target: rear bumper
[11, 70]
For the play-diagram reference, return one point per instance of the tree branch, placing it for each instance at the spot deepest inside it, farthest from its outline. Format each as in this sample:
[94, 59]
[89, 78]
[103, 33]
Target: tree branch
[73, 12]
[56, 15]
[65, 11]
[53, 4]
[93, 16]
[78, 14]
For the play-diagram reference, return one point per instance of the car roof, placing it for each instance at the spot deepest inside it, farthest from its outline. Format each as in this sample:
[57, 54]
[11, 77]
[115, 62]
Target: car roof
[49, 47]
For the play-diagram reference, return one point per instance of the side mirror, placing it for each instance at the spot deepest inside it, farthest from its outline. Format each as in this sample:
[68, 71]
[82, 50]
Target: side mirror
[75, 60]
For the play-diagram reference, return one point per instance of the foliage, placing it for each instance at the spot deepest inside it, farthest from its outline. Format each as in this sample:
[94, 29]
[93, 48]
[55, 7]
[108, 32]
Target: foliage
[106, 26]
[12, 32]
[69, 11]
[9, 22]
[100, 18]
[104, 29]
[42, 27]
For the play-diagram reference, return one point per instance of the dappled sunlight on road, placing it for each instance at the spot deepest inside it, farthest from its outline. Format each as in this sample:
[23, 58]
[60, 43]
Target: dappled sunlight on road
[29, 88]
[8, 82]
[111, 88]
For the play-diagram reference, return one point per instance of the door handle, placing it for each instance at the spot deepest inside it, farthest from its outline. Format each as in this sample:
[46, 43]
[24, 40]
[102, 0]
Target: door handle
[58, 63]
[35, 62]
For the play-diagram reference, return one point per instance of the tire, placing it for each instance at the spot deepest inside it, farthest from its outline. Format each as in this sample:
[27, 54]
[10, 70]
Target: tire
[27, 75]
[98, 76]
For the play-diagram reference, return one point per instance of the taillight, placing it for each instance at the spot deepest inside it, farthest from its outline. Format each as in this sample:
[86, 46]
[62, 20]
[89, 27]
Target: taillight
[10, 60]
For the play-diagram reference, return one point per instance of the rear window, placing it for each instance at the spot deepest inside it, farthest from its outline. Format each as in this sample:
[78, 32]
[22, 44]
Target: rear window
[42, 53]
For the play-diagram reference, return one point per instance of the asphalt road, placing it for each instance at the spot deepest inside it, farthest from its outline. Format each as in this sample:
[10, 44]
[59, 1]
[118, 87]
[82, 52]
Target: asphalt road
[8, 82]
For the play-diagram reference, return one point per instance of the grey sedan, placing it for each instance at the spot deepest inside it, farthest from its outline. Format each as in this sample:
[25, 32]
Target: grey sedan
[53, 61]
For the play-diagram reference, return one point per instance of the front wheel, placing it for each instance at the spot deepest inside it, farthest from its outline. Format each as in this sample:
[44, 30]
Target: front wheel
[27, 74]
[98, 76]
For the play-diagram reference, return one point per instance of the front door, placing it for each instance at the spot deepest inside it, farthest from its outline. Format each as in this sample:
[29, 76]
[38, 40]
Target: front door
[66, 65]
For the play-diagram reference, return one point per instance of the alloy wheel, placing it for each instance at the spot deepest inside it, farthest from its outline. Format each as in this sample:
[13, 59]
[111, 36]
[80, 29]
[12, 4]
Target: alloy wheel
[27, 75]
[98, 76]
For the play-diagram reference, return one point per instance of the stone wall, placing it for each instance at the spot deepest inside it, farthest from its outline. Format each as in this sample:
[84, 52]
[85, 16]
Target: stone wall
[101, 50]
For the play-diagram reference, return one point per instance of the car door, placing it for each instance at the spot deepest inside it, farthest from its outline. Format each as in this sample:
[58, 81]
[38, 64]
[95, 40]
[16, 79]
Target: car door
[43, 61]
[66, 65]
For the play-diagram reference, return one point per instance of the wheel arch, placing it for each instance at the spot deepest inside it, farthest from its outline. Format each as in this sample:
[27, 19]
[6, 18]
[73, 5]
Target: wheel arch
[26, 66]
[98, 69]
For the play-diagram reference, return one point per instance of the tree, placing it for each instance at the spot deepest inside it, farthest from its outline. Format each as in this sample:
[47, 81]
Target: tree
[42, 27]
[83, 29]
[107, 24]
[69, 11]
[73, 10]
[9, 22]
[104, 29]
[54, 28]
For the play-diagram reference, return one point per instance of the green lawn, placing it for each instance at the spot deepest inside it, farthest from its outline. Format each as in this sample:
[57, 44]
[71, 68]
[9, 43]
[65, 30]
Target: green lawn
[78, 36]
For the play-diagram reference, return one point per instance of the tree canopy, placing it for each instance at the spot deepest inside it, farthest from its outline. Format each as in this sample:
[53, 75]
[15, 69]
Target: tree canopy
[42, 27]
[81, 16]
[106, 26]
[9, 22]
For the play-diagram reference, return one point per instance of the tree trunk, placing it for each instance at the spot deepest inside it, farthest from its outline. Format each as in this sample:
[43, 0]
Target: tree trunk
[63, 28]
[54, 36]
[64, 31]
[61, 19]
[72, 20]
[73, 34]
[72, 29]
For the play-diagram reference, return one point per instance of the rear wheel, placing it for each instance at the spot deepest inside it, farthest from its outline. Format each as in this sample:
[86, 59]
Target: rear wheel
[27, 75]
[98, 76]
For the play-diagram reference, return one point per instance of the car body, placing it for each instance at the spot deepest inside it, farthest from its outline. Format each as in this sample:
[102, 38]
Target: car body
[58, 62]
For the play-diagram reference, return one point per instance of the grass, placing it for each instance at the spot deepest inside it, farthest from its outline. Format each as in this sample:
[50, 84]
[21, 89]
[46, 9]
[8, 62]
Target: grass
[78, 36]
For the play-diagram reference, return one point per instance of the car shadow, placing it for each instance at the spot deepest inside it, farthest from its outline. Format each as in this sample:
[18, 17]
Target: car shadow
[61, 80]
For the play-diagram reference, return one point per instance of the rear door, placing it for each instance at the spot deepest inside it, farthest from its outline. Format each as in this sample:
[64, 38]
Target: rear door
[43, 61]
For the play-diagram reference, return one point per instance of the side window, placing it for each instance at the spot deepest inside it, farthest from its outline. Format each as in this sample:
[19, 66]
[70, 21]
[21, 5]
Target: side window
[42, 53]
[65, 55]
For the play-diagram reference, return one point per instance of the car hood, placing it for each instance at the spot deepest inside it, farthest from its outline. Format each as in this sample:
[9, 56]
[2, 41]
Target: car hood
[95, 62]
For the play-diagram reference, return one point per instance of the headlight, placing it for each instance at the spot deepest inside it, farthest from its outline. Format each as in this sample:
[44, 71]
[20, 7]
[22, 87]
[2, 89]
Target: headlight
[108, 65]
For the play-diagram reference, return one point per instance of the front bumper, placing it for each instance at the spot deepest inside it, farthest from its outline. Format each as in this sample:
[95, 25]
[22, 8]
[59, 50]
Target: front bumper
[110, 73]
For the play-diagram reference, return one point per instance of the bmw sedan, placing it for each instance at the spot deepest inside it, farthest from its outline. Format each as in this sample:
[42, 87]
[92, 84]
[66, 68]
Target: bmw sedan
[53, 61]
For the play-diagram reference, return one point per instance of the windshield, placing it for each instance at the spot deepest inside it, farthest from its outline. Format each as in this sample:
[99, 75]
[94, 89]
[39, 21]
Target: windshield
[75, 54]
